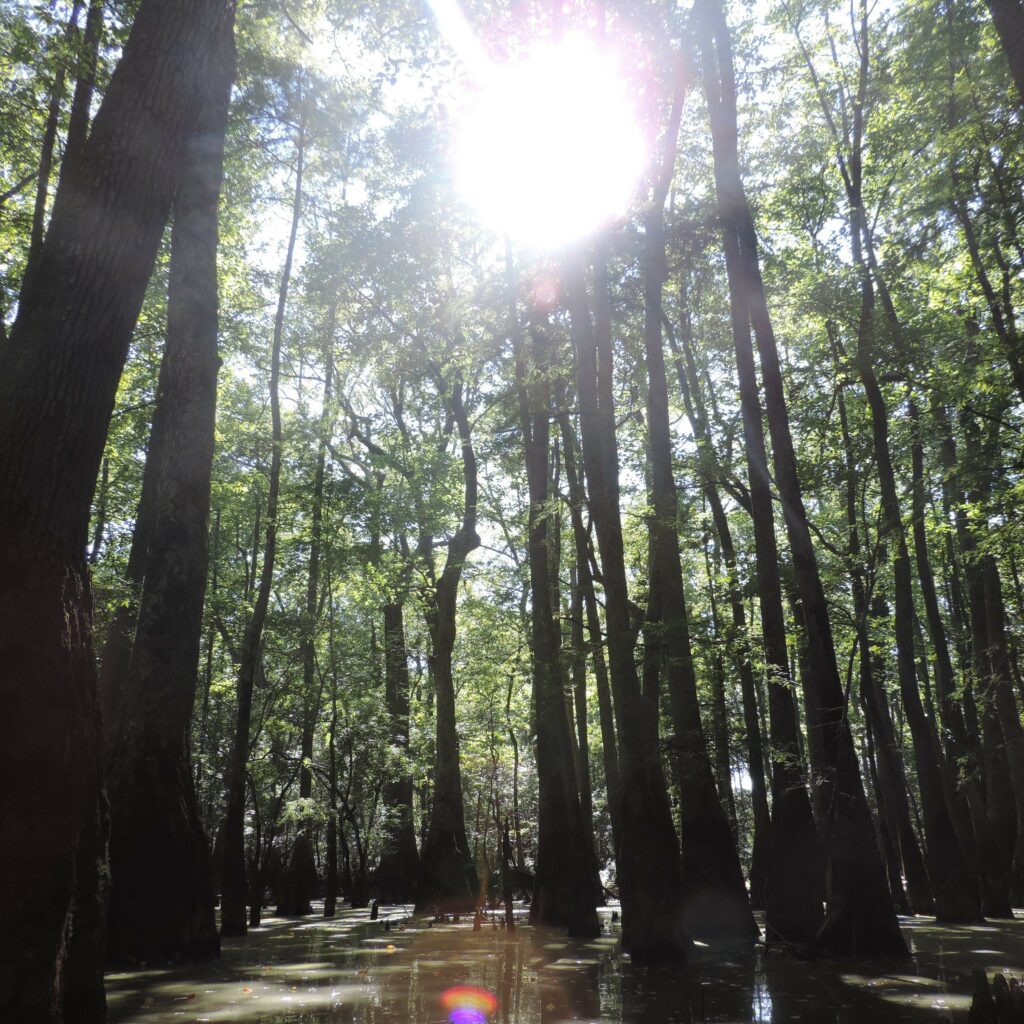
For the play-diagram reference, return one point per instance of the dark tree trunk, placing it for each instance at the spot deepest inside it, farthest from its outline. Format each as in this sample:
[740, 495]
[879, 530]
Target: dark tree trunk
[890, 782]
[566, 883]
[886, 843]
[59, 372]
[719, 704]
[689, 384]
[953, 889]
[861, 920]
[955, 892]
[893, 788]
[234, 885]
[585, 582]
[717, 908]
[397, 873]
[161, 899]
[1007, 712]
[448, 878]
[301, 879]
[1008, 18]
[995, 824]
[578, 649]
[331, 879]
[794, 884]
[649, 874]
[968, 800]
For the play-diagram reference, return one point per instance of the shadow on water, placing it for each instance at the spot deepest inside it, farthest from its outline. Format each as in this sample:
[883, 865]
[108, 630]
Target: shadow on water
[351, 971]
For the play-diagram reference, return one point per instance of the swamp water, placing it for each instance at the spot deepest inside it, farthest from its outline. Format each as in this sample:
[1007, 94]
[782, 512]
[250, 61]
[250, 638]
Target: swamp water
[350, 971]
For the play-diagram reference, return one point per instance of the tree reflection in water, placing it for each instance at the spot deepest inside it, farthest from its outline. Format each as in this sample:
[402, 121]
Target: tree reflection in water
[349, 971]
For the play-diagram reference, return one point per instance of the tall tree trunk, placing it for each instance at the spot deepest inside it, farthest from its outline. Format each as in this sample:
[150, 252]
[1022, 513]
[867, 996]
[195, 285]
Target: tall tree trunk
[300, 880]
[578, 681]
[1001, 694]
[234, 884]
[861, 920]
[967, 797]
[956, 897]
[689, 384]
[59, 372]
[890, 780]
[719, 704]
[585, 582]
[448, 878]
[795, 870]
[397, 873]
[997, 838]
[649, 874]
[566, 883]
[717, 908]
[331, 875]
[161, 899]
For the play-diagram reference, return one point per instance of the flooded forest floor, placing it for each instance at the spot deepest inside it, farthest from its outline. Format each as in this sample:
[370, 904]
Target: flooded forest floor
[351, 970]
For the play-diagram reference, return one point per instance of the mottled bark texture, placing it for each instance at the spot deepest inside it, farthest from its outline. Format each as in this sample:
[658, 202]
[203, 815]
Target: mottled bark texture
[161, 900]
[58, 377]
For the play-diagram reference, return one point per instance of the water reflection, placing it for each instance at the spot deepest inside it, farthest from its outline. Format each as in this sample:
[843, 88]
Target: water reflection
[353, 971]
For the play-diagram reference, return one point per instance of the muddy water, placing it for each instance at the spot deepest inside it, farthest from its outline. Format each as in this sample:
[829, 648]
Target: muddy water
[350, 971]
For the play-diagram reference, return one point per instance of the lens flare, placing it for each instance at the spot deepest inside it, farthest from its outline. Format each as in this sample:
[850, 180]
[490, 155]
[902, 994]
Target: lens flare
[552, 147]
[466, 1004]
[549, 141]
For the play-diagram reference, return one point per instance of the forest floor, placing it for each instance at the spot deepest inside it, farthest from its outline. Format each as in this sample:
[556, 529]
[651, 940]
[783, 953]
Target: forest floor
[349, 969]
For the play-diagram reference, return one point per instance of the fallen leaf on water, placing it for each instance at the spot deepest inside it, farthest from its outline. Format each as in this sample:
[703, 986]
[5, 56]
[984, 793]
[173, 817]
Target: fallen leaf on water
[245, 988]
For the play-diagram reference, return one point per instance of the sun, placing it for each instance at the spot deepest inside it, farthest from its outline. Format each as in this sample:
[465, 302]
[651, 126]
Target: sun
[550, 146]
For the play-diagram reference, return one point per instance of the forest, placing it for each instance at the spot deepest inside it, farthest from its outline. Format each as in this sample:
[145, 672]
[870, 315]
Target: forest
[486, 479]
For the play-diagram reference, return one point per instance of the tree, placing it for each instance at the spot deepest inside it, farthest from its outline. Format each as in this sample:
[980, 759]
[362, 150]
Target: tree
[58, 373]
[861, 920]
[161, 903]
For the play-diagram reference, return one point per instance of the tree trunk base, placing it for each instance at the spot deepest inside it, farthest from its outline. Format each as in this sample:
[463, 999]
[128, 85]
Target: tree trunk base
[298, 886]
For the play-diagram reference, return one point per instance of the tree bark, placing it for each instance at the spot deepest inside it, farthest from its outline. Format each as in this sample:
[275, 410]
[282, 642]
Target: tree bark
[161, 899]
[1008, 18]
[716, 904]
[649, 874]
[566, 884]
[59, 372]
